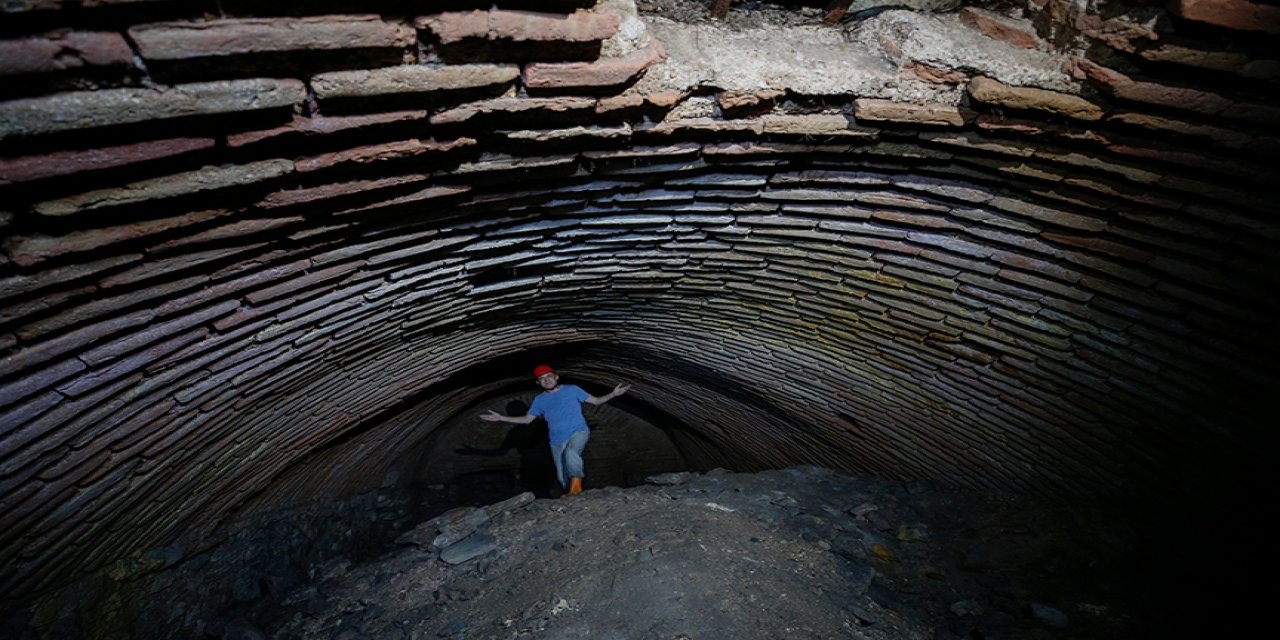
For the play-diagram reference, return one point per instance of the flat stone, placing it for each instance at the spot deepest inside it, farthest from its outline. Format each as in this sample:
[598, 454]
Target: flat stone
[204, 179]
[61, 52]
[890, 111]
[411, 79]
[520, 26]
[472, 547]
[992, 91]
[1049, 615]
[517, 501]
[669, 479]
[87, 109]
[186, 40]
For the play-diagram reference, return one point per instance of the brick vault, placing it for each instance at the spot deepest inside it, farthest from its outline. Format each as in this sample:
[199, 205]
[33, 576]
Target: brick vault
[261, 256]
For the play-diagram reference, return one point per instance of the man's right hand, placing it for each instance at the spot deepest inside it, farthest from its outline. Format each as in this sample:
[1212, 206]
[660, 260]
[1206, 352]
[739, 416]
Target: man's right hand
[492, 416]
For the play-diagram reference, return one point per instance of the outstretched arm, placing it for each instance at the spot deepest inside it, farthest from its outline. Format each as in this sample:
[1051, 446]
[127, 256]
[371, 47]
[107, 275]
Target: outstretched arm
[617, 391]
[494, 416]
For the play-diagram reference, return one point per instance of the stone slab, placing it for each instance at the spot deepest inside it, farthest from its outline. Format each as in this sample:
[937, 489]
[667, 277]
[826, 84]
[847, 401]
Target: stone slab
[61, 52]
[186, 40]
[988, 90]
[203, 179]
[606, 72]
[411, 79]
[87, 109]
[890, 111]
[60, 163]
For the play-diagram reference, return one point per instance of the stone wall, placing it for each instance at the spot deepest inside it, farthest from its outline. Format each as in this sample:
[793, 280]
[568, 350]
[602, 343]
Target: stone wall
[1029, 250]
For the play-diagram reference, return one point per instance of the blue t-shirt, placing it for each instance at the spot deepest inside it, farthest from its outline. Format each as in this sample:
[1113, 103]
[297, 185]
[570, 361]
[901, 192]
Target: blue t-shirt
[563, 411]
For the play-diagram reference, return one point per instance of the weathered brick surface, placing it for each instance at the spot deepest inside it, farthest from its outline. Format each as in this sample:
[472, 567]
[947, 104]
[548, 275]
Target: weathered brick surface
[382, 152]
[1181, 97]
[86, 109]
[520, 26]
[992, 91]
[30, 250]
[182, 40]
[999, 27]
[1233, 14]
[502, 107]
[410, 79]
[64, 51]
[69, 162]
[889, 111]
[601, 74]
[321, 125]
[204, 179]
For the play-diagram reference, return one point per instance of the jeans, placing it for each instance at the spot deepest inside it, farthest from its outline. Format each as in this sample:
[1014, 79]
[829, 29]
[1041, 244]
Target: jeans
[568, 457]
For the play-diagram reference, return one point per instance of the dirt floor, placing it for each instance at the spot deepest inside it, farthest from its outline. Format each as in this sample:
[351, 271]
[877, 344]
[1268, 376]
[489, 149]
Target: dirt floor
[797, 553]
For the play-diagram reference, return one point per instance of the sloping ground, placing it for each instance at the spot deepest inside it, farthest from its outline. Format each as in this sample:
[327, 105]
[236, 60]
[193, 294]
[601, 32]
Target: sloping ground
[804, 552]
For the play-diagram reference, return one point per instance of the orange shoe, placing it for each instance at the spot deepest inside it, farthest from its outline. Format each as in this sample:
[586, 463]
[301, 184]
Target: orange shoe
[575, 486]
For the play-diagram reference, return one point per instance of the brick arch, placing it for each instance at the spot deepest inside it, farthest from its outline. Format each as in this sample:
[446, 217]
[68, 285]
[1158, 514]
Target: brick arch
[1043, 269]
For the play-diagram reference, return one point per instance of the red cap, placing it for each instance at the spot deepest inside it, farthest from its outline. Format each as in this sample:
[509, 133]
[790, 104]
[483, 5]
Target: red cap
[542, 370]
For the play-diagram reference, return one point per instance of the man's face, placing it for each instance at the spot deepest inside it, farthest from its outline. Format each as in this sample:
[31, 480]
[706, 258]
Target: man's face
[548, 380]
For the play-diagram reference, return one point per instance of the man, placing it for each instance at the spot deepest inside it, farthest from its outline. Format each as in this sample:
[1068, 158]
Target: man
[562, 407]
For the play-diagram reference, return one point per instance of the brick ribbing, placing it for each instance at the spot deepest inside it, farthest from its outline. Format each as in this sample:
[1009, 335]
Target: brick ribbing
[1009, 303]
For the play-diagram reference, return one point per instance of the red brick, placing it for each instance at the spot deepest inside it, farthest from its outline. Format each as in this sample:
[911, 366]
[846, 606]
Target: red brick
[61, 163]
[999, 27]
[46, 350]
[608, 72]
[503, 106]
[888, 110]
[86, 109]
[302, 282]
[324, 192]
[319, 125]
[206, 178]
[39, 380]
[1234, 14]
[64, 51]
[235, 229]
[156, 332]
[380, 152]
[411, 79]
[934, 75]
[418, 196]
[520, 26]
[31, 250]
[1122, 86]
[730, 100]
[1100, 245]
[184, 40]
[991, 91]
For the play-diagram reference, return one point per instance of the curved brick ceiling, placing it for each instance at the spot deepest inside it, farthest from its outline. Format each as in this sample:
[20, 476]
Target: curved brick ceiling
[251, 261]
